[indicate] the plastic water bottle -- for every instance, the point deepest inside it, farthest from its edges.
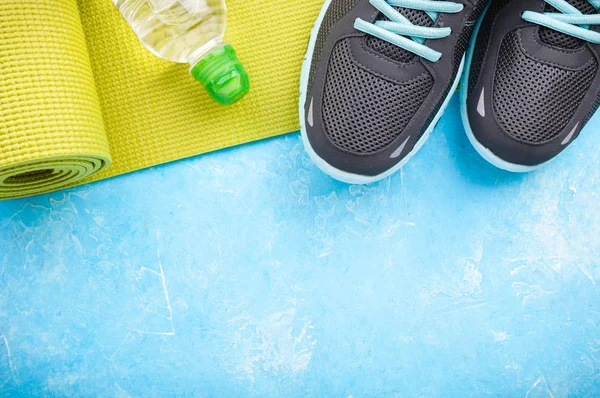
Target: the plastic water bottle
(191, 31)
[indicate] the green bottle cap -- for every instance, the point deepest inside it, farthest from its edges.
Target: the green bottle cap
(223, 75)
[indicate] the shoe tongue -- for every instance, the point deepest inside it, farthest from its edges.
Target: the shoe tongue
(562, 40)
(392, 51)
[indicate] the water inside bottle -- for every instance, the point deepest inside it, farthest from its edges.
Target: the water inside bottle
(176, 30)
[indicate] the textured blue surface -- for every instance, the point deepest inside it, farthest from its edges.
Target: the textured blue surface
(249, 273)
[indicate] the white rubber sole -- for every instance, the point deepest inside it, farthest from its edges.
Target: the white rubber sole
(484, 152)
(334, 172)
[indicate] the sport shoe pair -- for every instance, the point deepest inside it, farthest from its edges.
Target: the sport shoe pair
(379, 74)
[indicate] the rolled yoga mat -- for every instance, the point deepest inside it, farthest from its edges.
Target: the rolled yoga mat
(81, 99)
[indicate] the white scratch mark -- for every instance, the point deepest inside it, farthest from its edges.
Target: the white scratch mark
(451, 309)
(145, 269)
(324, 254)
(517, 270)
(391, 230)
(164, 285)
(147, 309)
(540, 380)
(161, 275)
(585, 269)
(10, 363)
(122, 391)
(154, 333)
(120, 345)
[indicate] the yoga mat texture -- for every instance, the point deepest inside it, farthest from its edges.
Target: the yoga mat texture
(81, 99)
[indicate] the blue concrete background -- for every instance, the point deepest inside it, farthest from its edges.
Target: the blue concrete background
(250, 273)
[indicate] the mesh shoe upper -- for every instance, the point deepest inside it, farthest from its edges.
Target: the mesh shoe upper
(362, 112)
(531, 88)
(533, 100)
(364, 109)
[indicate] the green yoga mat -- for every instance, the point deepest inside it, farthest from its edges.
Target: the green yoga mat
(81, 99)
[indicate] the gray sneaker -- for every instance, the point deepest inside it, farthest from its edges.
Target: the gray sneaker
(376, 79)
(532, 80)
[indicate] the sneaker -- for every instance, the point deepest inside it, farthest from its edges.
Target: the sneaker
(377, 77)
(531, 80)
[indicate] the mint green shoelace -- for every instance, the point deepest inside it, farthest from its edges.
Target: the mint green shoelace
(569, 20)
(403, 33)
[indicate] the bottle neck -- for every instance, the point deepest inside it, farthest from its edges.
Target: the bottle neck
(197, 55)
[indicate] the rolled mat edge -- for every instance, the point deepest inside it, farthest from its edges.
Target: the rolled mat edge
(52, 133)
